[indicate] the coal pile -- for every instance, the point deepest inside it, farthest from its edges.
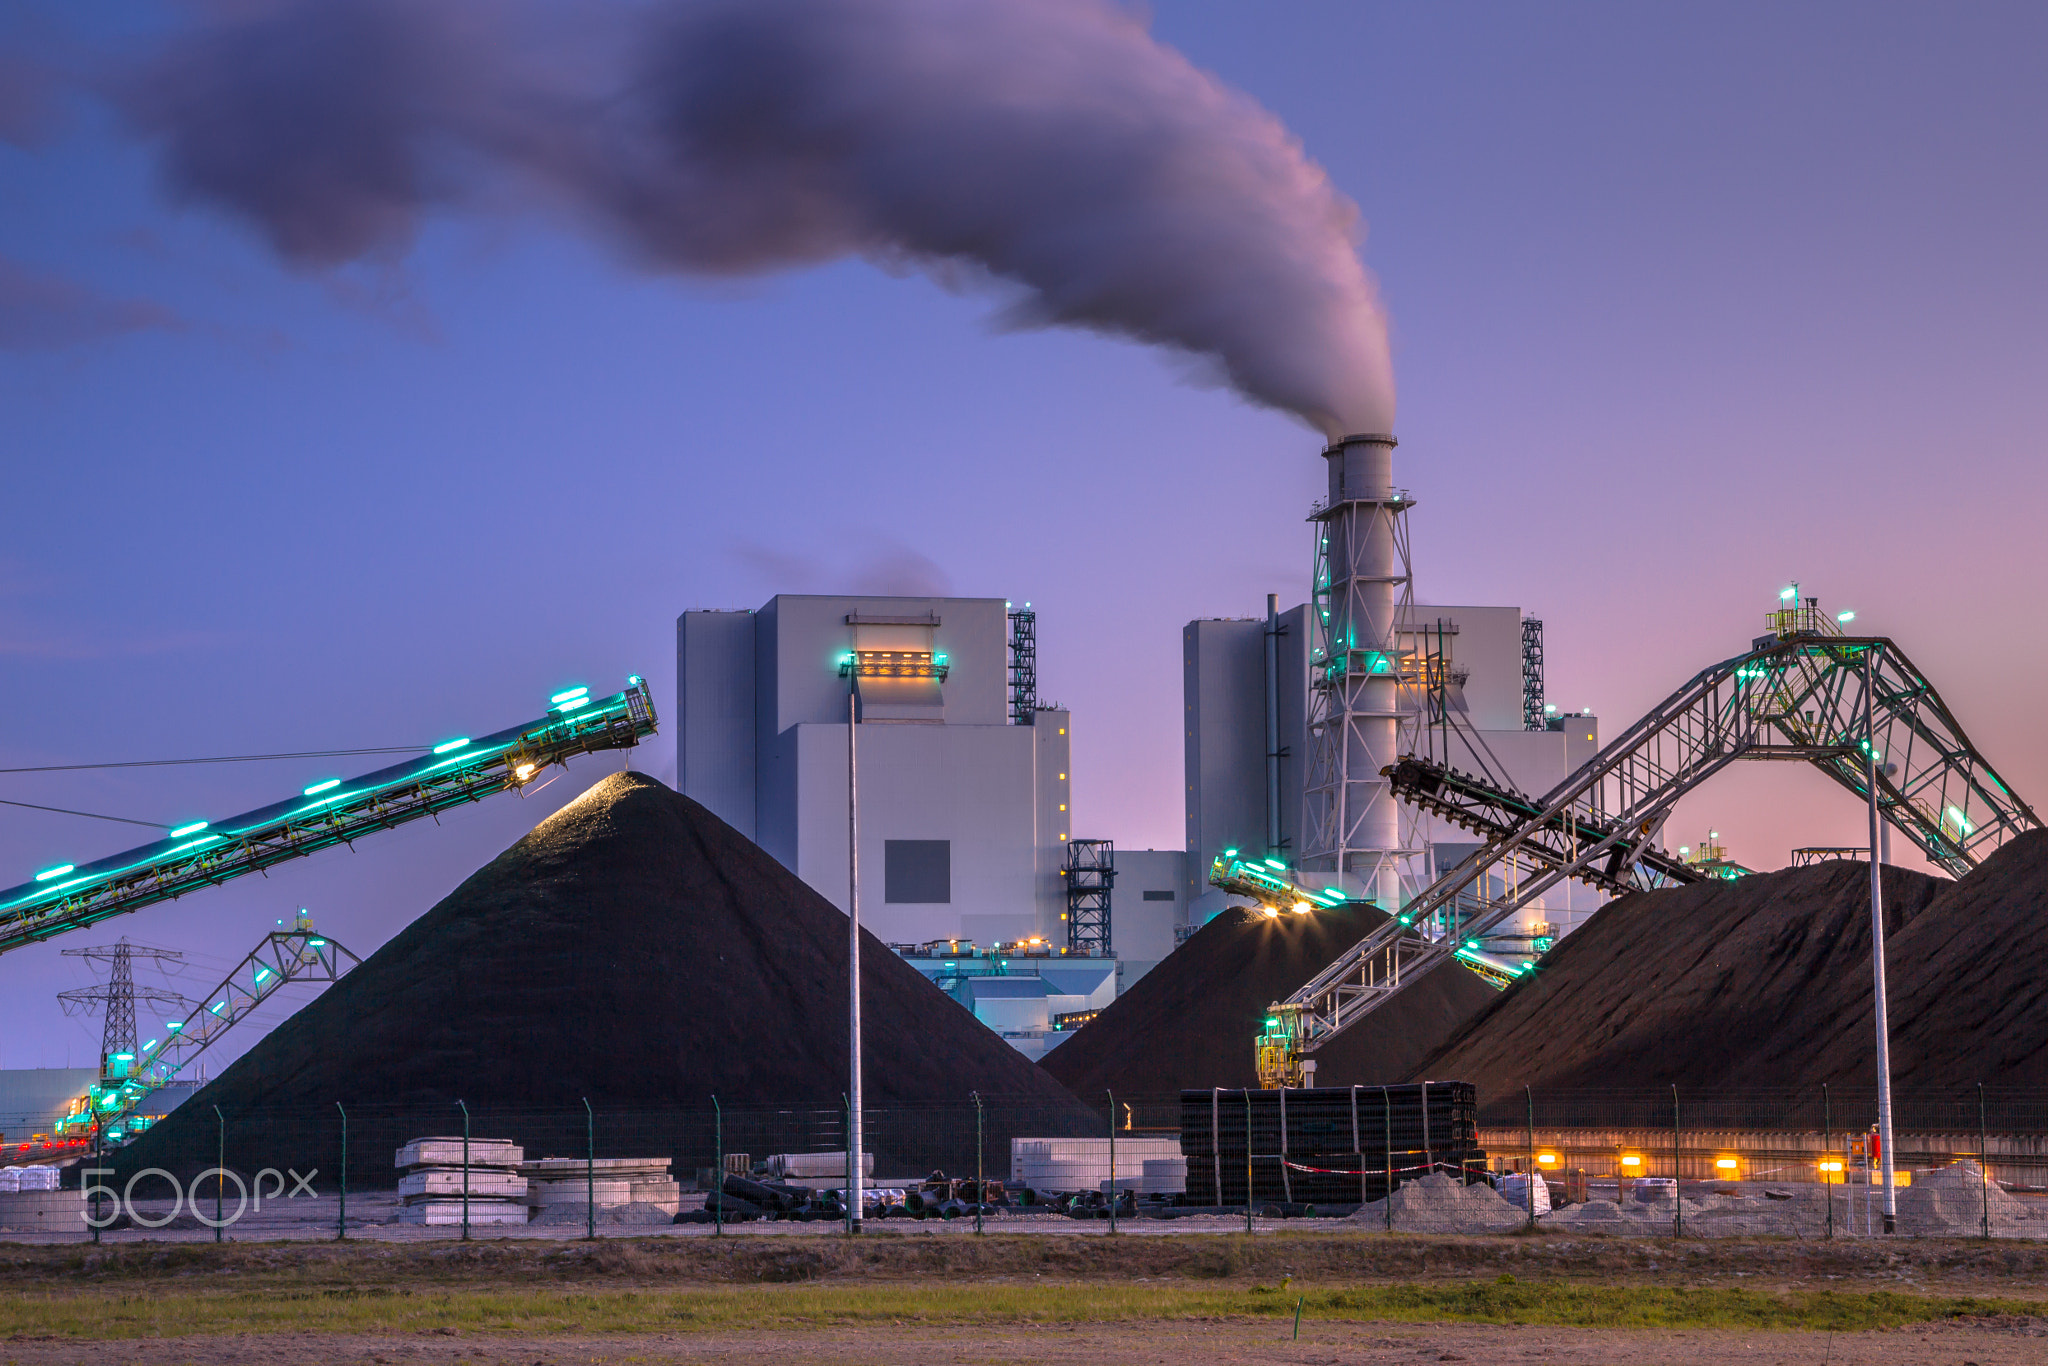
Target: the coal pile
(635, 951)
(1765, 983)
(1324, 1145)
(1190, 1022)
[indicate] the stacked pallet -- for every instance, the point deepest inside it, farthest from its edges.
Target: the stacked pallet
(437, 1177)
(605, 1182)
(1324, 1145)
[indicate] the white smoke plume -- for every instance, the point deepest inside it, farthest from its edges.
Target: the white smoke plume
(1051, 145)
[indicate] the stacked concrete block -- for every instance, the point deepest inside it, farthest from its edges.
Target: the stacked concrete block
(605, 1182)
(436, 1178)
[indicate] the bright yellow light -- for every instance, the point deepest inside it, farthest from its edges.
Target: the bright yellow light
(1631, 1160)
(1271, 914)
(1302, 908)
(1725, 1164)
(1546, 1159)
(1832, 1165)
(523, 772)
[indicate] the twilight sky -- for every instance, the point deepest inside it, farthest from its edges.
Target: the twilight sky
(1685, 306)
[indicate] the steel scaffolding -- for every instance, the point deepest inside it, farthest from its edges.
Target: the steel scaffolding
(1091, 876)
(1023, 665)
(1532, 674)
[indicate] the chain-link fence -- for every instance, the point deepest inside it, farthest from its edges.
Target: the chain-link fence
(1643, 1160)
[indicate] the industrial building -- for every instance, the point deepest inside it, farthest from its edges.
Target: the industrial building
(1246, 704)
(966, 831)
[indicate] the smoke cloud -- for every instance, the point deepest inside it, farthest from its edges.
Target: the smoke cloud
(1052, 146)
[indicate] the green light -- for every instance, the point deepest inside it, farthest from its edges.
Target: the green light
(1962, 821)
(447, 745)
(317, 788)
(1335, 891)
(317, 943)
(633, 680)
(1845, 617)
(1230, 853)
(1471, 943)
(559, 698)
(1787, 594)
(1402, 918)
(58, 871)
(174, 1025)
(573, 703)
(1276, 863)
(191, 829)
(124, 1057)
(151, 1044)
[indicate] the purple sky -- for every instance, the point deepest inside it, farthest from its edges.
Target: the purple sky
(1684, 307)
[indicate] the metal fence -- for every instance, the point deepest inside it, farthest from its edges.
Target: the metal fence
(331, 1170)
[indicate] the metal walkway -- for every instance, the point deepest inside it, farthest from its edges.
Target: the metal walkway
(203, 854)
(1798, 694)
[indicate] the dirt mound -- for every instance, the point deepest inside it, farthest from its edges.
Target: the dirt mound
(635, 950)
(1189, 1023)
(1764, 983)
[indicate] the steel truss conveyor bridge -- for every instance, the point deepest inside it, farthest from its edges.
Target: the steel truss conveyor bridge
(337, 811)
(1801, 693)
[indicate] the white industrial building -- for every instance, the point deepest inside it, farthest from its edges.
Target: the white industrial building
(964, 790)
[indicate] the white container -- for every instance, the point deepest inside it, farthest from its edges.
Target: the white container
(1515, 1189)
(1050, 1176)
(483, 1181)
(448, 1152)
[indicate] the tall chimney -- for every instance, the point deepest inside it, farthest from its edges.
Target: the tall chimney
(1353, 822)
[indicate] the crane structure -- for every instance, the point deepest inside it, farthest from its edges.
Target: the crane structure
(130, 1075)
(334, 811)
(1801, 693)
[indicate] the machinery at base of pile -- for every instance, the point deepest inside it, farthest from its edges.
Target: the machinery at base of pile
(1269, 884)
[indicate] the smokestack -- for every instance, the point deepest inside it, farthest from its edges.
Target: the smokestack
(1356, 728)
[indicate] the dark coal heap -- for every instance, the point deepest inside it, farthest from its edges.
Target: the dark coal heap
(1765, 982)
(636, 951)
(1190, 1022)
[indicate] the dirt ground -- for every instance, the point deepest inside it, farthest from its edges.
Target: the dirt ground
(2009, 1342)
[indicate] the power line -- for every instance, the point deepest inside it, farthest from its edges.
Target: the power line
(90, 815)
(219, 759)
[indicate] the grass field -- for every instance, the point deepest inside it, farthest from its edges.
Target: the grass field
(1126, 1292)
(163, 1311)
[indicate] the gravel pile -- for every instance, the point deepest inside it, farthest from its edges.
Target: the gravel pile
(1440, 1204)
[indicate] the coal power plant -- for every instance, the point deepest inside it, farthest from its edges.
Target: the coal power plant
(825, 934)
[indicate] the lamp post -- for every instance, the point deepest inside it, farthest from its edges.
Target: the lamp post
(1884, 1045)
(854, 1142)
